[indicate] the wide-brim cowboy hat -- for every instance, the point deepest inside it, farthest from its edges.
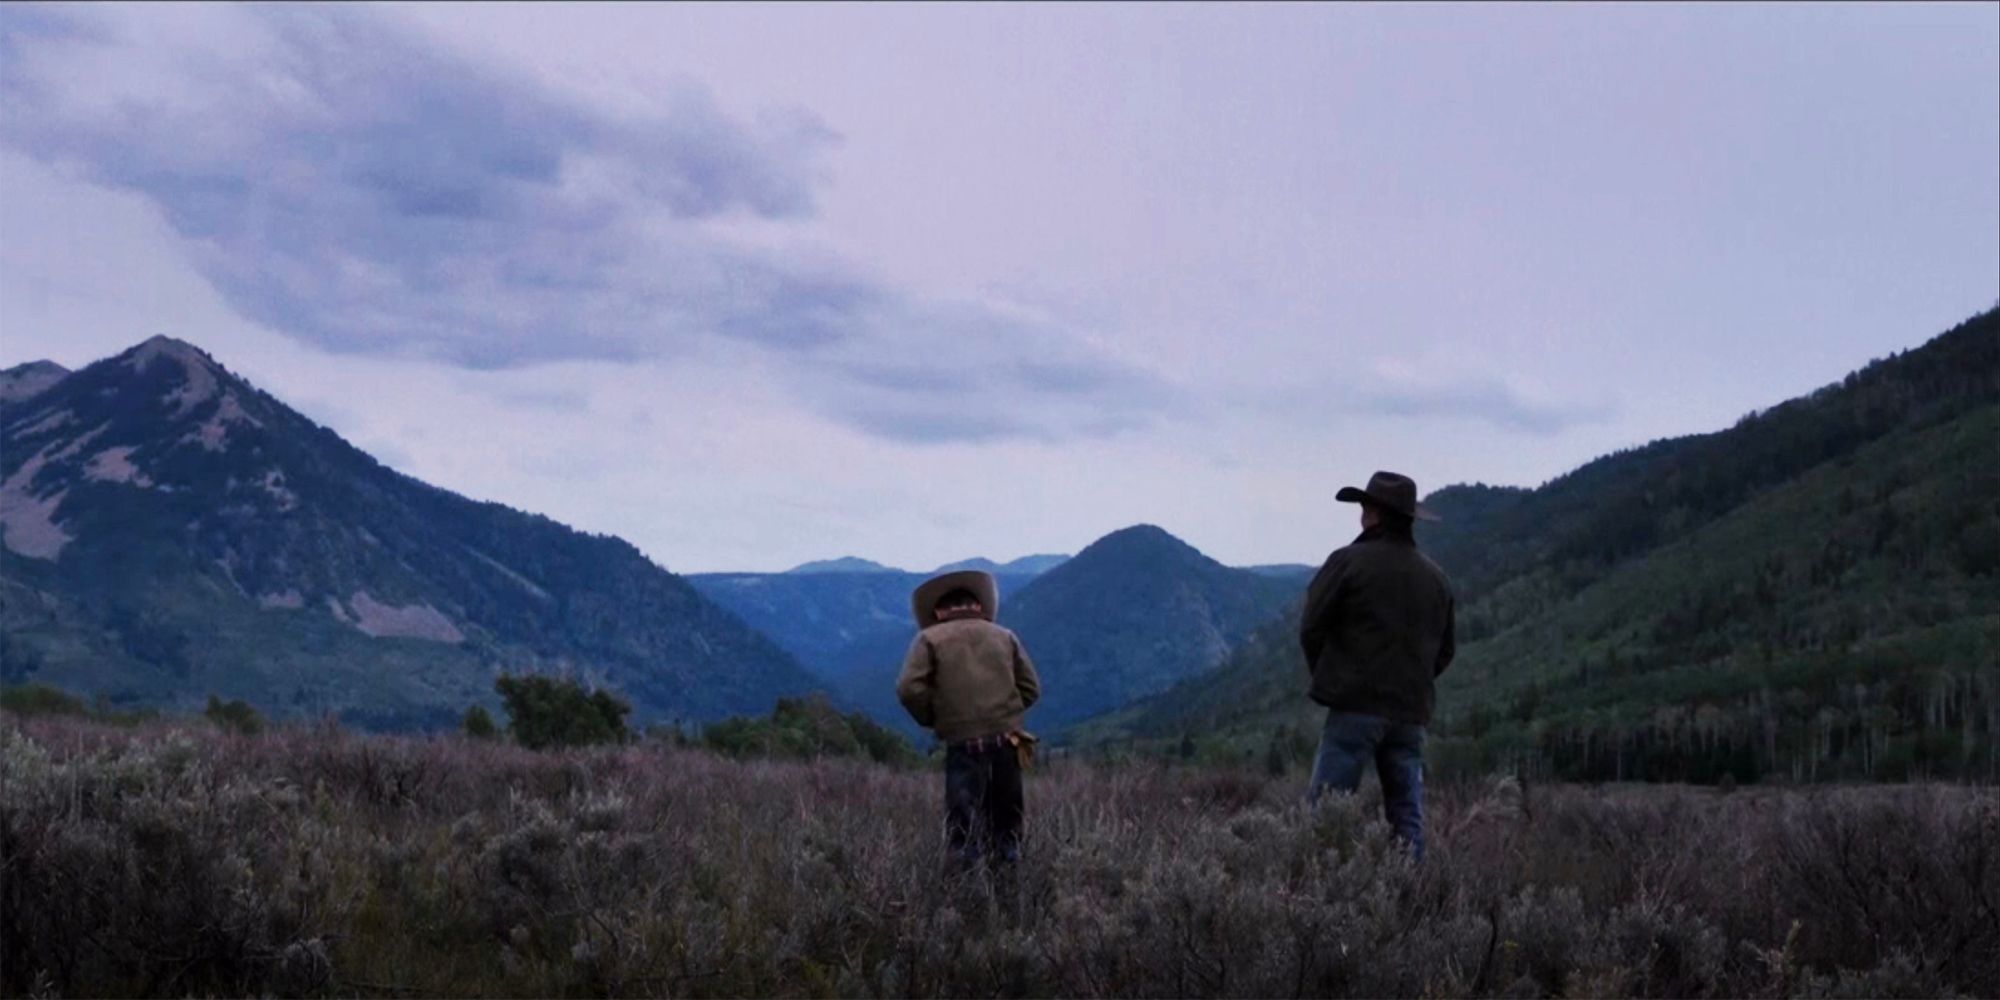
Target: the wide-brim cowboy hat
(981, 584)
(1390, 491)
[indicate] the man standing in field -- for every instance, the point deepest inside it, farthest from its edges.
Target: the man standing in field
(970, 682)
(1377, 631)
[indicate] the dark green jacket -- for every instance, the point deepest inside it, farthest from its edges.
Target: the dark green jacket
(1377, 628)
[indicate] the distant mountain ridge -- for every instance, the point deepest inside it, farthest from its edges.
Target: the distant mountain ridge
(1285, 571)
(1026, 566)
(844, 564)
(25, 380)
(171, 531)
(1134, 611)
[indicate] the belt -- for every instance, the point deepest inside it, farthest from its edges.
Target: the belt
(982, 744)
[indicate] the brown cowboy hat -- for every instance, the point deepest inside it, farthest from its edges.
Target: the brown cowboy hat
(1390, 491)
(982, 585)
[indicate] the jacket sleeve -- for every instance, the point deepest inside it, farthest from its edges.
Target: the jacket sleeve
(916, 685)
(1026, 680)
(1321, 597)
(1449, 647)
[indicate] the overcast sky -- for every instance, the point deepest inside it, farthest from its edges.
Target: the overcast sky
(755, 285)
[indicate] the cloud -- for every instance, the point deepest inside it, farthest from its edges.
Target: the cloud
(1434, 389)
(1487, 400)
(345, 181)
(1459, 387)
(937, 374)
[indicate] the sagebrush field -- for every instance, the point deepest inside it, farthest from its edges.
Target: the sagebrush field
(163, 860)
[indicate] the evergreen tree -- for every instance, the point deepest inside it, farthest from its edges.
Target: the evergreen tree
(546, 712)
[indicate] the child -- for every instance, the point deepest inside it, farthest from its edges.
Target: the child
(969, 681)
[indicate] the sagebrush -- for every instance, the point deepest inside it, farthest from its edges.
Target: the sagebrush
(154, 860)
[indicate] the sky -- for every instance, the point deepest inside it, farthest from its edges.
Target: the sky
(754, 285)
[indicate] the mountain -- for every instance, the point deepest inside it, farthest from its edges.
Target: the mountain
(1811, 593)
(171, 531)
(1130, 615)
(22, 381)
(1025, 567)
(1299, 572)
(844, 564)
(849, 629)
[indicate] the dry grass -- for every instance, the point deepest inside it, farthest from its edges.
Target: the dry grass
(165, 861)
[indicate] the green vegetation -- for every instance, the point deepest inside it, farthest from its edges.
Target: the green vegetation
(804, 728)
(478, 724)
(234, 716)
(41, 699)
(546, 712)
(37, 700)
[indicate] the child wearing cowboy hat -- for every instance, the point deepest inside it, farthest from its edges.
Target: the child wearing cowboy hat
(969, 681)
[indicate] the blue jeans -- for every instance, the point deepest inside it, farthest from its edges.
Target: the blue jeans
(982, 804)
(1346, 745)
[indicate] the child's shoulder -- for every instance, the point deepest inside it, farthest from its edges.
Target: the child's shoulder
(969, 627)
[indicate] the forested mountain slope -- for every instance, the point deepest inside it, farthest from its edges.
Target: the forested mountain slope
(1814, 592)
(1132, 614)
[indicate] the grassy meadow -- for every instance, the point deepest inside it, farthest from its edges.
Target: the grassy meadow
(172, 858)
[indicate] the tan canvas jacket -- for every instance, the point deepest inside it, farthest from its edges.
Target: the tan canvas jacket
(967, 678)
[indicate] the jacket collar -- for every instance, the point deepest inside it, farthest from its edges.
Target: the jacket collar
(1387, 533)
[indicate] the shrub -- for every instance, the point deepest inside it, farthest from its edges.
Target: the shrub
(41, 699)
(154, 861)
(803, 728)
(545, 712)
(478, 724)
(235, 716)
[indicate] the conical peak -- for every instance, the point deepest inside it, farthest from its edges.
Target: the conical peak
(201, 377)
(161, 345)
(1142, 542)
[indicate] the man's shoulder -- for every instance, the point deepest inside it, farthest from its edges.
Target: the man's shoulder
(1366, 549)
(1341, 555)
(1385, 551)
(1437, 573)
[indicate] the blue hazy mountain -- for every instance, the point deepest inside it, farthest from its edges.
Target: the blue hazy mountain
(844, 564)
(1026, 567)
(1131, 614)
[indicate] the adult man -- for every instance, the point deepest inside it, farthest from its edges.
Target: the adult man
(1377, 630)
(969, 681)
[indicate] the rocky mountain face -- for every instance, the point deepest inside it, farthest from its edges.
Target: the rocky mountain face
(21, 381)
(170, 532)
